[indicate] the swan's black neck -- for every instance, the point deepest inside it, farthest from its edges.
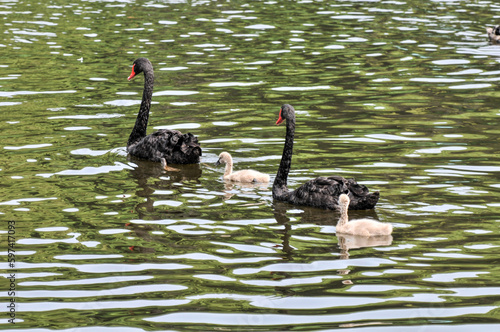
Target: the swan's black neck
(141, 123)
(279, 186)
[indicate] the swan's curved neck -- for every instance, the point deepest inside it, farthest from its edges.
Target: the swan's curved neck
(229, 167)
(344, 218)
(141, 123)
(280, 182)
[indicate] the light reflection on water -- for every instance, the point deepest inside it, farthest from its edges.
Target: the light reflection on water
(399, 95)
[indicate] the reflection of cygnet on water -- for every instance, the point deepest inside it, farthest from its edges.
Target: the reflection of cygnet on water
(231, 189)
(349, 241)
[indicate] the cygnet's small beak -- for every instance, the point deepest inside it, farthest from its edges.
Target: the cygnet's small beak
(217, 163)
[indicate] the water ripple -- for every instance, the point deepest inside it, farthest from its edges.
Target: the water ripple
(238, 319)
(140, 289)
(402, 99)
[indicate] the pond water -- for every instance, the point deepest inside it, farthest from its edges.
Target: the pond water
(401, 95)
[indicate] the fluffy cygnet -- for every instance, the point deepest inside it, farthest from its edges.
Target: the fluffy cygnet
(247, 175)
(363, 227)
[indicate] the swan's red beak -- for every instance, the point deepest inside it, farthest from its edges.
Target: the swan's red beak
(132, 74)
(280, 119)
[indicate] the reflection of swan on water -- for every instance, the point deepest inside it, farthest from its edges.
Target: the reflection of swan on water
(363, 227)
(150, 178)
(322, 192)
(146, 170)
(166, 146)
(279, 211)
(247, 175)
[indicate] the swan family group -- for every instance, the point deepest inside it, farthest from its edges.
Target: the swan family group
(333, 192)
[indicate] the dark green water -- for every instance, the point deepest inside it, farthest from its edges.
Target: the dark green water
(400, 95)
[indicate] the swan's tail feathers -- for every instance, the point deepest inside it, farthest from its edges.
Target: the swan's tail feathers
(360, 196)
(190, 145)
(178, 148)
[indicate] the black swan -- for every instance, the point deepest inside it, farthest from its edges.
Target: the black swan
(322, 192)
(494, 33)
(164, 145)
(362, 227)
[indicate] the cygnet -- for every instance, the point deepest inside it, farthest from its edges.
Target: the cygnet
(363, 227)
(247, 175)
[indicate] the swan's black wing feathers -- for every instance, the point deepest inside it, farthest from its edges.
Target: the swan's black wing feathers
(175, 147)
(321, 192)
(324, 192)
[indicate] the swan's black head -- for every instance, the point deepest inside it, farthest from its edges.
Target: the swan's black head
(287, 112)
(140, 65)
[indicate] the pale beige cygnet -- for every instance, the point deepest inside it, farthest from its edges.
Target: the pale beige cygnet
(363, 227)
(247, 175)
(494, 33)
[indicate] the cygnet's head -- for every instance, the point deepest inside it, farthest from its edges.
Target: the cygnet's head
(224, 158)
(344, 200)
